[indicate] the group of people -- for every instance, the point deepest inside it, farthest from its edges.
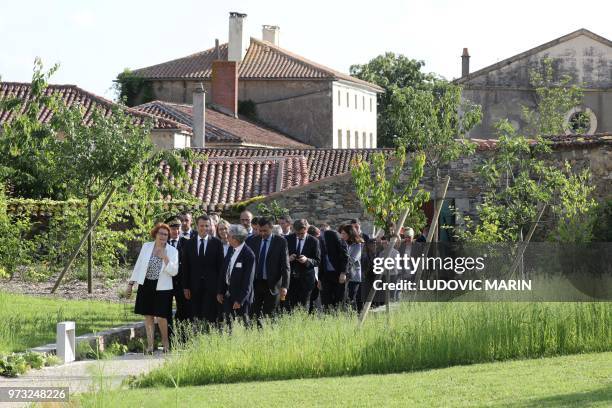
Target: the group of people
(251, 271)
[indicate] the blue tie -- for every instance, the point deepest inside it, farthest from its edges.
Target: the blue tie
(262, 260)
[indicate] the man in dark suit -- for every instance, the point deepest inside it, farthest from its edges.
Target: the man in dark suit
(183, 306)
(271, 271)
(201, 266)
(304, 256)
(186, 230)
(235, 285)
(334, 255)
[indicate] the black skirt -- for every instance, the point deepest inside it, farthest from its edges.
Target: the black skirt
(153, 302)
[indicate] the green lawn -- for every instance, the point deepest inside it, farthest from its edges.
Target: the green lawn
(30, 321)
(577, 380)
(417, 336)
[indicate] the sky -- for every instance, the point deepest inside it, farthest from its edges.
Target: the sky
(93, 41)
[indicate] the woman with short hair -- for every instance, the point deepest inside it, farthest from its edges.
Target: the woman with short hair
(156, 265)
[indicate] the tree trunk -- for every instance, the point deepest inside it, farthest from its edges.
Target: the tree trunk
(89, 247)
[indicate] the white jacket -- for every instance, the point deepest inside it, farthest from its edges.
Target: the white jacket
(168, 270)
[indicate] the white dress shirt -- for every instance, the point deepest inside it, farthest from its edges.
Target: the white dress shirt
(228, 273)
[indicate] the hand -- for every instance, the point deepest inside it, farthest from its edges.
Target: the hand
(292, 257)
(128, 292)
(236, 305)
(302, 259)
(187, 293)
(283, 293)
(342, 278)
(319, 284)
(220, 298)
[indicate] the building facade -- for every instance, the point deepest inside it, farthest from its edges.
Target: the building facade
(305, 100)
(503, 88)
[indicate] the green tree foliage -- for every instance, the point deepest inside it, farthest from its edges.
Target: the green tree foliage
(519, 181)
(434, 121)
(28, 146)
(392, 72)
(132, 89)
(273, 211)
(384, 195)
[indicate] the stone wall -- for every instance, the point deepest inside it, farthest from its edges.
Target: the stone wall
(333, 200)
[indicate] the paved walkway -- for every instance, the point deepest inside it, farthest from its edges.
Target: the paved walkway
(81, 376)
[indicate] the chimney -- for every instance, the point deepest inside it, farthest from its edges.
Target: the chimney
(270, 34)
(465, 63)
(199, 117)
(225, 87)
(237, 37)
(217, 49)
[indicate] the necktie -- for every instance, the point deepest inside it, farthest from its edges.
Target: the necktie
(230, 252)
(201, 250)
(299, 246)
(262, 260)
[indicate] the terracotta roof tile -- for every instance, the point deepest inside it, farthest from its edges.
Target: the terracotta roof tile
(222, 128)
(221, 181)
(72, 95)
(262, 60)
(318, 164)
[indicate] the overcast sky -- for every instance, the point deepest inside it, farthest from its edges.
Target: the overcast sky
(95, 40)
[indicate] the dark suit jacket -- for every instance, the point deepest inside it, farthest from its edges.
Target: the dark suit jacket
(277, 261)
(310, 250)
(177, 281)
(241, 279)
(337, 251)
(202, 273)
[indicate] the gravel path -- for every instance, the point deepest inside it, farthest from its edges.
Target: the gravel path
(82, 376)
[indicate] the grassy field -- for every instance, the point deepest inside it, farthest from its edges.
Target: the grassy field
(30, 321)
(418, 336)
(577, 380)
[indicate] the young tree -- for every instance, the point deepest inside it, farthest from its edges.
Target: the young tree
(519, 181)
(28, 145)
(382, 193)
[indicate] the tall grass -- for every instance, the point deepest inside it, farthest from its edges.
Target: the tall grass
(30, 321)
(416, 336)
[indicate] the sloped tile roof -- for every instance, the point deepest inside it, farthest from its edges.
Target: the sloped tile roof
(72, 95)
(222, 128)
(321, 163)
(221, 181)
(262, 60)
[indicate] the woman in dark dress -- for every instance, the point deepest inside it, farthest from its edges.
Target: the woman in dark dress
(156, 265)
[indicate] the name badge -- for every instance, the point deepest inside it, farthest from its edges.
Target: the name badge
(239, 265)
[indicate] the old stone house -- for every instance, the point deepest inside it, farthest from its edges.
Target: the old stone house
(305, 100)
(502, 88)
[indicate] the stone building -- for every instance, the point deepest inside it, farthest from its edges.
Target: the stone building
(305, 100)
(502, 88)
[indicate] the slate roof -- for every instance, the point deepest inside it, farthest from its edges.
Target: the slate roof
(262, 61)
(72, 95)
(222, 128)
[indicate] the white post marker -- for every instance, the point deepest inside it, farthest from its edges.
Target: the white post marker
(66, 341)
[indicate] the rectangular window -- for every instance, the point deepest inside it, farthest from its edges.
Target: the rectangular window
(355, 101)
(364, 145)
(339, 98)
(348, 139)
(372, 141)
(370, 104)
(363, 103)
(347, 100)
(357, 139)
(339, 144)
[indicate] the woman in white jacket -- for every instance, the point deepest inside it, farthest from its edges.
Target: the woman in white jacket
(156, 265)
